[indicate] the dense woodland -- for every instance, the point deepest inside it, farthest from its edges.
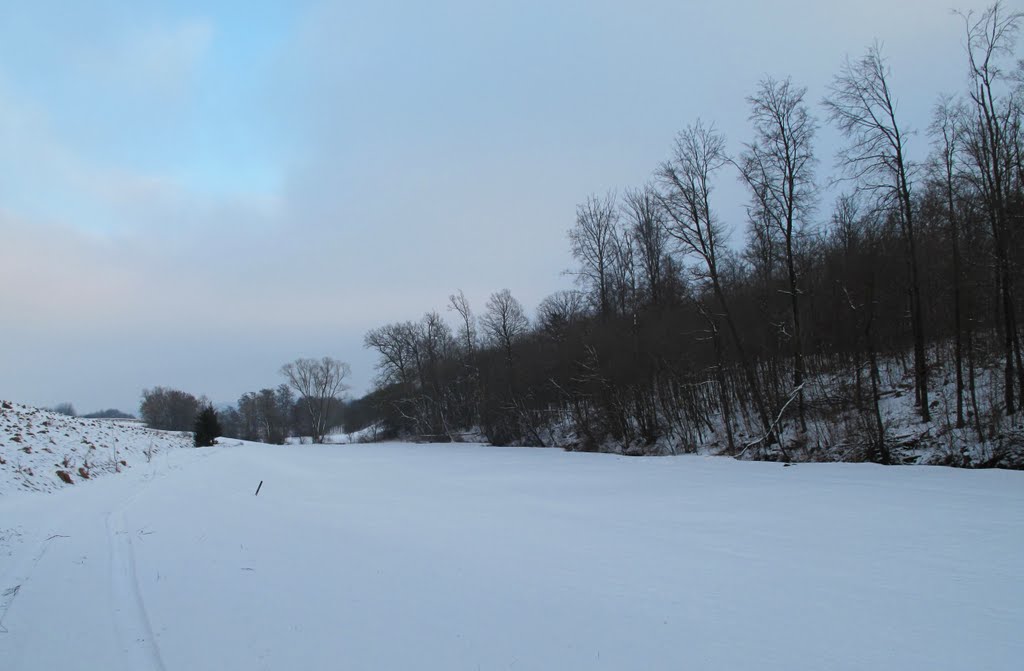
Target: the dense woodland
(798, 344)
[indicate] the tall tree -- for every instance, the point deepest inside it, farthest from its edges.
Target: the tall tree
(504, 322)
(861, 105)
(647, 229)
(778, 168)
(396, 345)
(990, 38)
(699, 154)
(468, 338)
(946, 129)
(559, 312)
(467, 326)
(319, 384)
(593, 241)
(207, 427)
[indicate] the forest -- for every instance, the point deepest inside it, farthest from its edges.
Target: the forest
(881, 326)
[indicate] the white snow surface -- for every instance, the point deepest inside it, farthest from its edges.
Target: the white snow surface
(35, 444)
(401, 556)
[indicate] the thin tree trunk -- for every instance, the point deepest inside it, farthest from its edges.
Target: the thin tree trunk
(1009, 332)
(881, 447)
(917, 325)
(970, 382)
(723, 392)
(957, 322)
(798, 350)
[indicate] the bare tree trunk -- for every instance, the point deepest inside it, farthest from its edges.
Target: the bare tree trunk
(1008, 326)
(700, 152)
(883, 449)
(954, 228)
(777, 167)
(862, 106)
(723, 392)
(798, 349)
(970, 382)
(916, 321)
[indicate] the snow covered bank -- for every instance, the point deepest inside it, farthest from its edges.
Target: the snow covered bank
(466, 557)
(37, 446)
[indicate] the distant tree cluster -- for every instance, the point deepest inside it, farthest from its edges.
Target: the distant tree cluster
(168, 409)
(64, 409)
(110, 413)
(675, 339)
(309, 404)
(265, 416)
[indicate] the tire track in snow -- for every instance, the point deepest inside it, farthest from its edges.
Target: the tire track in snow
(131, 619)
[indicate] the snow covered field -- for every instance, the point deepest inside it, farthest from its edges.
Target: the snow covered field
(467, 557)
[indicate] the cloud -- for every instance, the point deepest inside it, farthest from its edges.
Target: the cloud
(157, 60)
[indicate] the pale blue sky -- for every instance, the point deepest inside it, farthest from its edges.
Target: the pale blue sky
(193, 193)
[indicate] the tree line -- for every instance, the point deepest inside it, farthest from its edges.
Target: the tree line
(308, 404)
(792, 344)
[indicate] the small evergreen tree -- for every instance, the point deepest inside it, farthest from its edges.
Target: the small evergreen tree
(207, 427)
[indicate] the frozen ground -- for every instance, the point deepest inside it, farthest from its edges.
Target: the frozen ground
(466, 557)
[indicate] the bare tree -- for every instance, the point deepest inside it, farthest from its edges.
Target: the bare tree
(699, 154)
(435, 345)
(504, 321)
(467, 327)
(559, 312)
(413, 362)
(946, 130)
(475, 392)
(397, 347)
(778, 168)
(593, 243)
(861, 105)
(990, 38)
(647, 228)
(319, 384)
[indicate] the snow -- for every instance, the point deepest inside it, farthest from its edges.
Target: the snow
(35, 444)
(457, 556)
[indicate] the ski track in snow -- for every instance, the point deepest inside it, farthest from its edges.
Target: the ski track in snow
(130, 617)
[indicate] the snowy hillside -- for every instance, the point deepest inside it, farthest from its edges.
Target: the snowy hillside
(452, 557)
(37, 446)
